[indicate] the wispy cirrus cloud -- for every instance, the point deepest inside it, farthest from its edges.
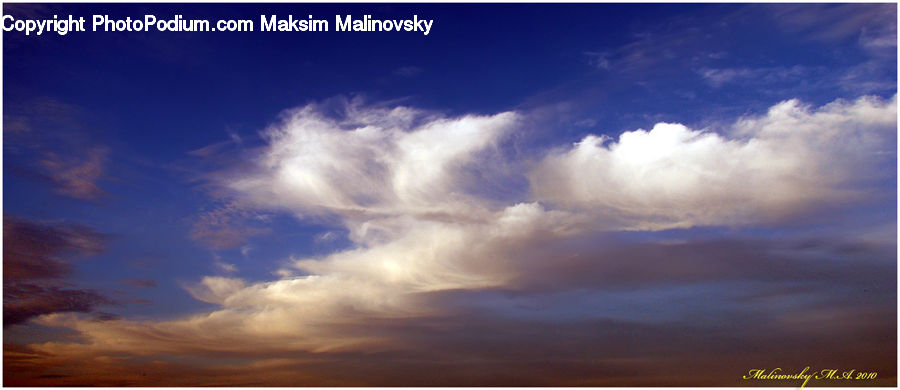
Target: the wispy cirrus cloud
(77, 178)
(47, 141)
(872, 24)
(226, 226)
(39, 114)
(717, 77)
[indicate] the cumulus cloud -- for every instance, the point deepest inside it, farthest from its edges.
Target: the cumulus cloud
(370, 161)
(406, 186)
(760, 169)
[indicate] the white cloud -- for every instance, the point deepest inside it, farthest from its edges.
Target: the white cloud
(763, 168)
(226, 267)
(344, 290)
(370, 161)
(326, 237)
(719, 77)
(398, 181)
(245, 250)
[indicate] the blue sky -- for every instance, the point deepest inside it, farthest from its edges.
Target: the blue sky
(595, 168)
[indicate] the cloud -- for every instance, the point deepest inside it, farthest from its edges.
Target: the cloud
(33, 250)
(48, 141)
(719, 77)
(77, 178)
(443, 274)
(226, 226)
(616, 265)
(35, 261)
(834, 22)
(600, 60)
(774, 307)
(769, 303)
(761, 169)
(245, 250)
(384, 281)
(326, 237)
(586, 123)
(39, 114)
(370, 161)
(24, 301)
(225, 267)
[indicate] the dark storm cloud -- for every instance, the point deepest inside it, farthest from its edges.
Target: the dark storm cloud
(36, 262)
(32, 250)
(23, 301)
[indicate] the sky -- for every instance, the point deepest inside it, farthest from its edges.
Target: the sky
(529, 195)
